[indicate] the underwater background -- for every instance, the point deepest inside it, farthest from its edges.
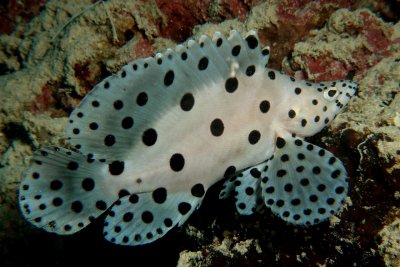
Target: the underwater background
(53, 52)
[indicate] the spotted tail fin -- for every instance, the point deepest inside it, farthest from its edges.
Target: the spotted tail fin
(63, 191)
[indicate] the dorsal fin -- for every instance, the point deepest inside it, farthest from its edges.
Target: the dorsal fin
(121, 109)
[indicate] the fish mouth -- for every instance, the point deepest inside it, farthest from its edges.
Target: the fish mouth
(355, 87)
(348, 89)
(351, 89)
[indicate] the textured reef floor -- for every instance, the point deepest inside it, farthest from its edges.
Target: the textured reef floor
(47, 65)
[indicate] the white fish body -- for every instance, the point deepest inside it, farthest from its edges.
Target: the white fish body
(155, 136)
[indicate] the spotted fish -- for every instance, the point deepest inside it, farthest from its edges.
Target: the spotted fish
(152, 138)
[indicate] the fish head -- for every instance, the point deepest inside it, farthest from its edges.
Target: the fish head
(338, 94)
(316, 105)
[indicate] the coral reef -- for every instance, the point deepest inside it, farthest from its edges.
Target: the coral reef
(48, 65)
(13, 12)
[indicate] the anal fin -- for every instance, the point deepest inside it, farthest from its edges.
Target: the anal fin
(139, 219)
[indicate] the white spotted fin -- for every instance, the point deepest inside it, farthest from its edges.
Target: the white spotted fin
(142, 218)
(246, 188)
(63, 191)
(301, 183)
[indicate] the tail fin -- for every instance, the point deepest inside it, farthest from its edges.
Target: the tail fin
(63, 191)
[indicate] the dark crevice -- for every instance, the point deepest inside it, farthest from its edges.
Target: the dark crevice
(15, 131)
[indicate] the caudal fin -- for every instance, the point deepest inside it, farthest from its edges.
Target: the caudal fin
(62, 191)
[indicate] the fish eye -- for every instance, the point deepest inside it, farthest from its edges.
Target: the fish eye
(331, 93)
